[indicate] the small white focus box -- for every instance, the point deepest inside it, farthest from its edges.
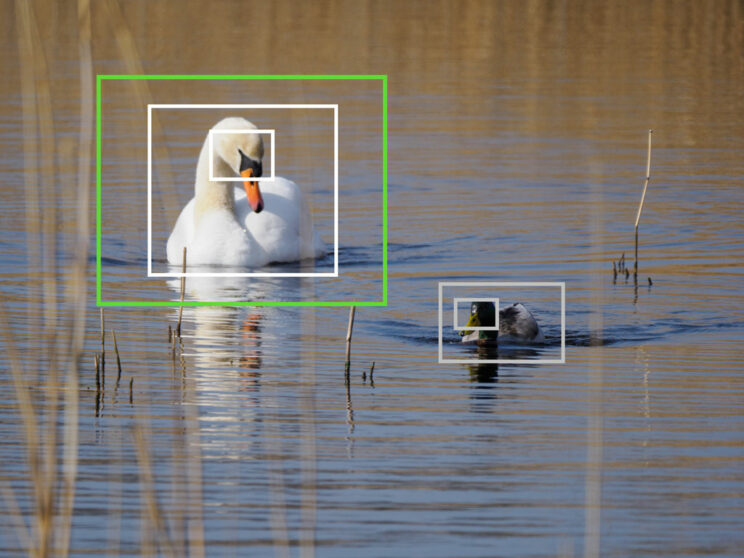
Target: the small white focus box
(494, 327)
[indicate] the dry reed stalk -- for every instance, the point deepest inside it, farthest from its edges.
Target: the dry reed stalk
(29, 126)
(98, 384)
(195, 523)
(47, 158)
(16, 515)
(349, 331)
(27, 411)
(41, 239)
(640, 206)
(48, 536)
(98, 372)
(147, 484)
(118, 360)
(349, 408)
(132, 61)
(103, 343)
(308, 451)
(78, 276)
(127, 48)
(277, 489)
(131, 386)
(182, 359)
(183, 292)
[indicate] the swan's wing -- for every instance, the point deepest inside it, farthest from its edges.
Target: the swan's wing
(284, 229)
(220, 240)
(182, 235)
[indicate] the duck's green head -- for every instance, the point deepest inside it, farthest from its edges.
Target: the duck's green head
(482, 314)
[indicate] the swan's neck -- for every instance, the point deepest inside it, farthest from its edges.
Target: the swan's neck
(212, 195)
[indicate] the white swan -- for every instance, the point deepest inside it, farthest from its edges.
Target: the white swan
(230, 226)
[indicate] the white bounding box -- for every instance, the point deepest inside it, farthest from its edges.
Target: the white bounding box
(499, 284)
(494, 327)
(333, 107)
(210, 140)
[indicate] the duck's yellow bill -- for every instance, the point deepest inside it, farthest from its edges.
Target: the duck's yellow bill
(473, 321)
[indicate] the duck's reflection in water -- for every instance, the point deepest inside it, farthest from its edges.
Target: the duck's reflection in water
(484, 372)
(488, 372)
(485, 375)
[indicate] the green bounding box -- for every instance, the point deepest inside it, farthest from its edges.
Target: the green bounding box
(176, 303)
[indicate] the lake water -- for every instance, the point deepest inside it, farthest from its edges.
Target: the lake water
(517, 150)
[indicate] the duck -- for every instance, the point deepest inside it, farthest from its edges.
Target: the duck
(248, 226)
(516, 325)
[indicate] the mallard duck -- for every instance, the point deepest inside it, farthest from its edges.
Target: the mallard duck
(516, 325)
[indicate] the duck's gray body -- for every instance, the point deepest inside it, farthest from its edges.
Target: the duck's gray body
(516, 325)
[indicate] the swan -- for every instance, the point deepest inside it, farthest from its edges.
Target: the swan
(516, 325)
(225, 225)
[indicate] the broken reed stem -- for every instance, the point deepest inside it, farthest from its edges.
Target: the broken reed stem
(183, 291)
(98, 384)
(131, 383)
(118, 360)
(640, 206)
(98, 372)
(103, 342)
(349, 331)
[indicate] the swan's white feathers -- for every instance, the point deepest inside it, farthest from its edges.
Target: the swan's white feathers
(218, 226)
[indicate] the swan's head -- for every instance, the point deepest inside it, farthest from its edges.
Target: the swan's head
(242, 152)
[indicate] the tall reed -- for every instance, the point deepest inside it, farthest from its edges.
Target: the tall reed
(59, 336)
(640, 206)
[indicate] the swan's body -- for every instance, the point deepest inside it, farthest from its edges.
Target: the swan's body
(516, 325)
(226, 226)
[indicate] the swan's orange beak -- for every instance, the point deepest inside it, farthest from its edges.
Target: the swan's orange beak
(252, 191)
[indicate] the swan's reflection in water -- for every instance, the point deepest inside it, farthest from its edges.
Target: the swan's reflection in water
(247, 421)
(225, 348)
(223, 351)
(235, 289)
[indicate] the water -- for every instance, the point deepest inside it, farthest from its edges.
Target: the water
(517, 146)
